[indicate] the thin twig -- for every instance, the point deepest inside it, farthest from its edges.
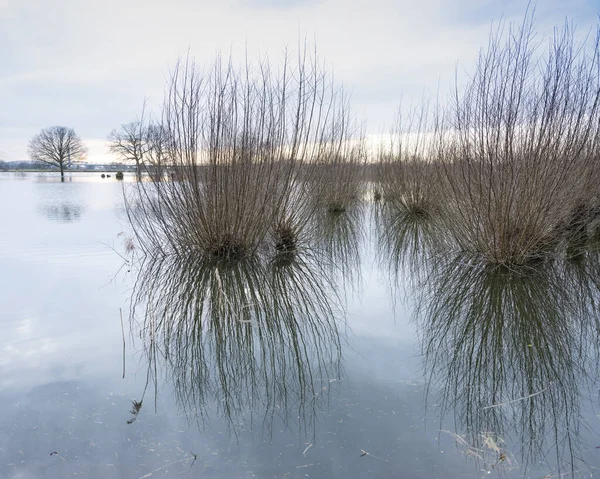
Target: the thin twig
(518, 399)
(162, 467)
(365, 453)
(123, 335)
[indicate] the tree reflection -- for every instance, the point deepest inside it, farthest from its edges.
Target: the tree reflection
(512, 351)
(63, 213)
(244, 337)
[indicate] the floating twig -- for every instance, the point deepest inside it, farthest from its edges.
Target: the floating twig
(365, 453)
(135, 410)
(160, 468)
(518, 399)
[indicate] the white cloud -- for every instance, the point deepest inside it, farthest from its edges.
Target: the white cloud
(90, 64)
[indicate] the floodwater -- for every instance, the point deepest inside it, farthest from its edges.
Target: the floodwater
(320, 369)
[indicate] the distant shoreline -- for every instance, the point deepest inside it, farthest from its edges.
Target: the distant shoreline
(38, 170)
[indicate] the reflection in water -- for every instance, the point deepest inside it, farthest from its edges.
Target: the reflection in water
(57, 201)
(338, 238)
(512, 352)
(406, 243)
(18, 175)
(53, 177)
(247, 337)
(63, 213)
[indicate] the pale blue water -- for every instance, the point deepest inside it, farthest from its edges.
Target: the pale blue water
(64, 405)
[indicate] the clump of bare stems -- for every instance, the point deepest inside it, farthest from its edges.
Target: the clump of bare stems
(520, 147)
(407, 169)
(508, 169)
(339, 184)
(243, 149)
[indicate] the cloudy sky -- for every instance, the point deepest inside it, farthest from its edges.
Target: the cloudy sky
(90, 64)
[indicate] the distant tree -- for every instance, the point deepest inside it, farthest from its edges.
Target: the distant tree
(129, 143)
(157, 145)
(57, 146)
(3, 165)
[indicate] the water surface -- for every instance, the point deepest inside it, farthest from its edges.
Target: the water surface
(321, 370)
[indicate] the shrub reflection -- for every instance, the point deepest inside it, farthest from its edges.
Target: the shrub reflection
(251, 338)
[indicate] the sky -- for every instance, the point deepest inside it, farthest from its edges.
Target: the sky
(90, 64)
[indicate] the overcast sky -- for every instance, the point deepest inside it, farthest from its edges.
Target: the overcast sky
(89, 64)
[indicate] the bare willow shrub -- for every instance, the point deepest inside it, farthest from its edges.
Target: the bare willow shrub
(407, 166)
(322, 145)
(337, 181)
(521, 145)
(237, 143)
(338, 184)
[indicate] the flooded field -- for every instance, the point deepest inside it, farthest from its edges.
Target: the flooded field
(368, 355)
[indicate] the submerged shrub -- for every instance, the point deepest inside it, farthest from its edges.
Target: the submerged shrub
(240, 147)
(285, 239)
(407, 171)
(339, 182)
(519, 147)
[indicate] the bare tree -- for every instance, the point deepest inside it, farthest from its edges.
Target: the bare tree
(129, 143)
(57, 146)
(157, 145)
